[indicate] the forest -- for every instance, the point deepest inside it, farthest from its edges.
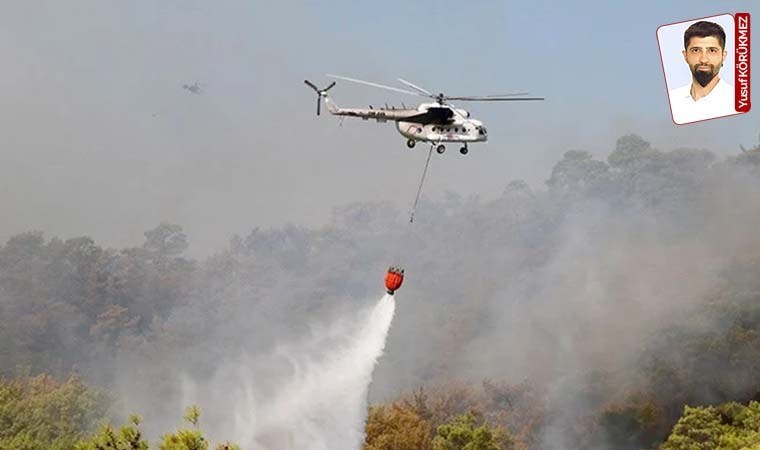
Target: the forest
(616, 307)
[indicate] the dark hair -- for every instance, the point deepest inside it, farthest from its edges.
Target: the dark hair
(704, 29)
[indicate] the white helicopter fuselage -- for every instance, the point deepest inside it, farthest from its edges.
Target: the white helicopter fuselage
(458, 128)
(463, 130)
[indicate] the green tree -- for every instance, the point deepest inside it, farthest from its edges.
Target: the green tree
(186, 439)
(629, 151)
(396, 427)
(462, 433)
(41, 413)
(128, 437)
(193, 415)
(577, 172)
(697, 429)
(227, 446)
(730, 426)
(747, 158)
(166, 240)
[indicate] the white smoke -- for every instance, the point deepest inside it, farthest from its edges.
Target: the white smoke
(311, 395)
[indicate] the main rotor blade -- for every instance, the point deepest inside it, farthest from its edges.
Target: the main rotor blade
(493, 99)
(414, 86)
(512, 94)
(381, 86)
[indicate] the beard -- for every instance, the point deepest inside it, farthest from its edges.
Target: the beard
(703, 77)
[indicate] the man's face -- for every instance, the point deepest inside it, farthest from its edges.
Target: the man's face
(704, 56)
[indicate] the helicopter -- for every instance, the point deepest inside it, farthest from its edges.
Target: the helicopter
(194, 88)
(435, 123)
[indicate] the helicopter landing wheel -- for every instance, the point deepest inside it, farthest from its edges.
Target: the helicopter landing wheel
(463, 150)
(411, 143)
(440, 149)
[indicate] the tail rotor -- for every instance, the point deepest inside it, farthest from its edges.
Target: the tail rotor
(320, 92)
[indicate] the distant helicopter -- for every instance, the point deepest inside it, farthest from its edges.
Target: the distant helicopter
(430, 122)
(195, 88)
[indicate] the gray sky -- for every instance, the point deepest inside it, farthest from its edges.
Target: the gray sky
(99, 138)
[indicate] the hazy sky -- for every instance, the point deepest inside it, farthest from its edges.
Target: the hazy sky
(99, 138)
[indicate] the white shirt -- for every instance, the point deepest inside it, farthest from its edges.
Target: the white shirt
(718, 103)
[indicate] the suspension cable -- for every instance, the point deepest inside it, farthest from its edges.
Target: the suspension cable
(419, 190)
